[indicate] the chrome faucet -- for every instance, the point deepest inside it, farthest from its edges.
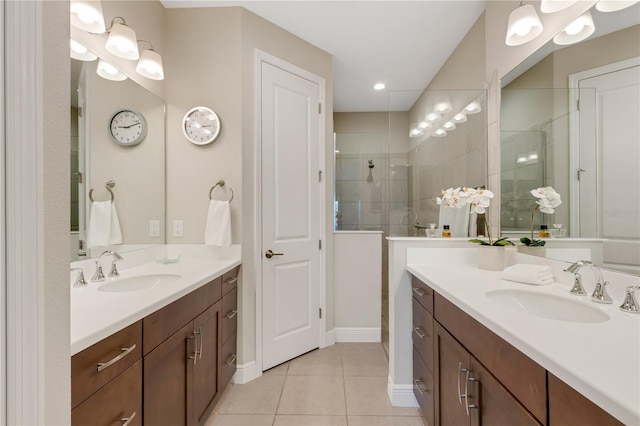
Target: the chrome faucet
(80, 281)
(99, 275)
(600, 293)
(630, 303)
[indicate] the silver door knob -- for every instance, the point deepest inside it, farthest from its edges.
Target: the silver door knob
(270, 254)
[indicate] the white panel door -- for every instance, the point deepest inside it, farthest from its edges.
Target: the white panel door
(290, 215)
(616, 184)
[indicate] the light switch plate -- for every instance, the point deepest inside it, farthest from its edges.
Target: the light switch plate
(178, 228)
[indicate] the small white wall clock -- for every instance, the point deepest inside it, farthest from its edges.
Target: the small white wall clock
(201, 125)
(127, 127)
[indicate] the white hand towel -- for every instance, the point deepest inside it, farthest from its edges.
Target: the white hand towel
(218, 228)
(529, 274)
(104, 225)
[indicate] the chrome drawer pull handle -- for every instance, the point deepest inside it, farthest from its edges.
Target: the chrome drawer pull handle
(128, 420)
(232, 360)
(232, 280)
(125, 352)
(201, 342)
(460, 370)
(417, 331)
(232, 314)
(466, 392)
(422, 391)
(418, 291)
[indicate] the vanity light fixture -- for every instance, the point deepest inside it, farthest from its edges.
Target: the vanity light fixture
(423, 125)
(472, 108)
(614, 5)
(379, 86)
(459, 118)
(432, 117)
(150, 63)
(415, 132)
(108, 71)
(448, 126)
(576, 31)
(524, 25)
(79, 52)
(442, 104)
(551, 6)
(440, 133)
(87, 15)
(122, 40)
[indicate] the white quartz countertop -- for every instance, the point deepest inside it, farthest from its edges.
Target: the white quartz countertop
(600, 360)
(97, 314)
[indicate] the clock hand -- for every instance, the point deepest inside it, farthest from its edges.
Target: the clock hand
(131, 125)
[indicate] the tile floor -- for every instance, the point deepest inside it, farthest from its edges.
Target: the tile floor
(344, 384)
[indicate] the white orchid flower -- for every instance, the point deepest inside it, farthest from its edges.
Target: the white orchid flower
(451, 198)
(548, 200)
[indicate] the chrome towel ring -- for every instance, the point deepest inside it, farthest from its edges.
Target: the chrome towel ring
(220, 183)
(110, 184)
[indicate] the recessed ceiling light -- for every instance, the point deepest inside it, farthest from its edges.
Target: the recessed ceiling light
(379, 86)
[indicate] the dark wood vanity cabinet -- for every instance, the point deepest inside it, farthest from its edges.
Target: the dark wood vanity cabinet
(181, 359)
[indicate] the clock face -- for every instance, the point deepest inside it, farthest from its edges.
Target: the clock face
(127, 127)
(201, 125)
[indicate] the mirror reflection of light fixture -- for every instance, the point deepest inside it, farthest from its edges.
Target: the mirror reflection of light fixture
(433, 117)
(459, 118)
(440, 133)
(424, 125)
(614, 5)
(108, 71)
(150, 63)
(122, 40)
(524, 25)
(442, 104)
(576, 31)
(551, 6)
(87, 15)
(415, 132)
(472, 108)
(79, 52)
(448, 126)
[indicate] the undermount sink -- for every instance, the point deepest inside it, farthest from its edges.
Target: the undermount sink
(546, 306)
(141, 282)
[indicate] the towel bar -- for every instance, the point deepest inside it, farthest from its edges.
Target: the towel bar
(220, 183)
(110, 184)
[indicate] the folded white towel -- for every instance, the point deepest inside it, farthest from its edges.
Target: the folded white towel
(218, 228)
(104, 225)
(529, 274)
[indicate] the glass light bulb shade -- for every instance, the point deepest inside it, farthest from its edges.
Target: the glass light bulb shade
(551, 6)
(150, 65)
(87, 15)
(379, 86)
(424, 125)
(473, 108)
(449, 126)
(108, 71)
(433, 117)
(122, 42)
(414, 133)
(459, 118)
(614, 5)
(440, 133)
(79, 52)
(576, 31)
(524, 25)
(442, 104)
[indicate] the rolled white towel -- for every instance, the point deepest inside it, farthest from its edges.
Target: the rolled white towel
(529, 274)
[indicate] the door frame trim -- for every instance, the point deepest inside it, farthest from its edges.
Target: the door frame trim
(259, 57)
(574, 132)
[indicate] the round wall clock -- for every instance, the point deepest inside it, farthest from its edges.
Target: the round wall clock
(201, 125)
(127, 127)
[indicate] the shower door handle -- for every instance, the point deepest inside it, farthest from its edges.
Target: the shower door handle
(270, 254)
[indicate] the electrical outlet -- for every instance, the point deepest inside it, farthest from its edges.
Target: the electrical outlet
(178, 228)
(154, 228)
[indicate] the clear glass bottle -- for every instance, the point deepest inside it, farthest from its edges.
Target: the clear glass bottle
(446, 233)
(543, 232)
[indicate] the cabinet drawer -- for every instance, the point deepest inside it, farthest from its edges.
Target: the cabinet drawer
(230, 280)
(422, 293)
(119, 400)
(97, 365)
(423, 333)
(163, 323)
(525, 379)
(228, 362)
(423, 387)
(229, 314)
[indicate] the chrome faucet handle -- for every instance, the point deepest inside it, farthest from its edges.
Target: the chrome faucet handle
(80, 281)
(600, 294)
(114, 269)
(577, 289)
(630, 303)
(99, 275)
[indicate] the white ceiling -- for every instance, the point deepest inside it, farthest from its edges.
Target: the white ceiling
(400, 43)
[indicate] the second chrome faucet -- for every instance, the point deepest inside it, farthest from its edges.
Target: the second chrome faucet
(599, 294)
(113, 272)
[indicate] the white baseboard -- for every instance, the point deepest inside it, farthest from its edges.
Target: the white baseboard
(330, 338)
(357, 334)
(401, 395)
(246, 373)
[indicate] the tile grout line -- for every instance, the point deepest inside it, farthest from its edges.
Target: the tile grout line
(344, 388)
(281, 392)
